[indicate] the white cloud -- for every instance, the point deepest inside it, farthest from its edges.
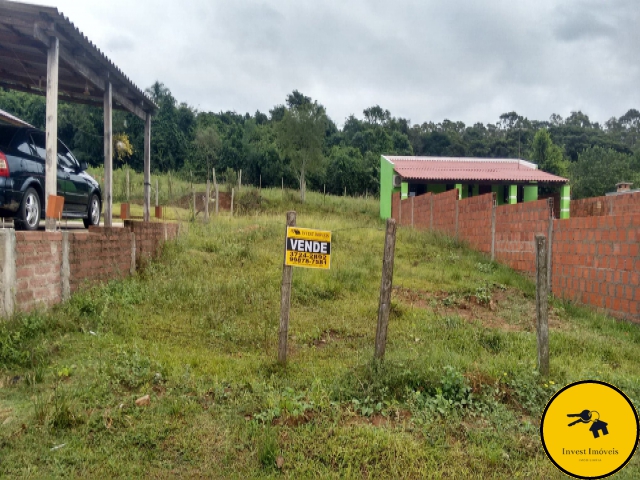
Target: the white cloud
(423, 60)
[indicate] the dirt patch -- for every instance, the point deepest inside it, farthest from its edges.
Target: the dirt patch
(495, 307)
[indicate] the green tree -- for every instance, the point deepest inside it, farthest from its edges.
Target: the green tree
(547, 155)
(599, 169)
(207, 143)
(300, 136)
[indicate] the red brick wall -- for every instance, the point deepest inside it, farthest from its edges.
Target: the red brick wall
(150, 237)
(596, 258)
(38, 260)
(516, 228)
(103, 254)
(444, 212)
(596, 261)
(628, 203)
(422, 210)
(474, 221)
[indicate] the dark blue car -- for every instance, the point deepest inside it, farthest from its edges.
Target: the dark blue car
(22, 180)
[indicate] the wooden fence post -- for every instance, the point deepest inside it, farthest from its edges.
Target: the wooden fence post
(193, 195)
(240, 181)
(233, 192)
(385, 289)
(128, 192)
(217, 199)
(542, 304)
(285, 297)
(157, 193)
(206, 200)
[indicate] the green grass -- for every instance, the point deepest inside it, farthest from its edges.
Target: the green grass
(457, 395)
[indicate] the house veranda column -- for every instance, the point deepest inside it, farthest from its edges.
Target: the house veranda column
(51, 165)
(147, 167)
(108, 155)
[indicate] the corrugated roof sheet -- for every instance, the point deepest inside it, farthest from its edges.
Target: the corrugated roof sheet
(8, 118)
(468, 169)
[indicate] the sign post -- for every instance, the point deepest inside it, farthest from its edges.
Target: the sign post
(384, 307)
(306, 248)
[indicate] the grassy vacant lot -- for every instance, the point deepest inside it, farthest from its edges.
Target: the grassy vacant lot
(457, 396)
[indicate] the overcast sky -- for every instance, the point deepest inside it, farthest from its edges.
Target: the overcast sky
(425, 60)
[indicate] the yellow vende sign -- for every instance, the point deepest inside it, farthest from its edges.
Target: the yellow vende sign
(308, 248)
(589, 429)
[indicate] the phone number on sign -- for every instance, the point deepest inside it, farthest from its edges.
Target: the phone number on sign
(307, 258)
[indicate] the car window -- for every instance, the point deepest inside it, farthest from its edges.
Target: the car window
(6, 135)
(25, 147)
(38, 140)
(65, 158)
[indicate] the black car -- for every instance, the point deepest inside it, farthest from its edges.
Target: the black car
(22, 180)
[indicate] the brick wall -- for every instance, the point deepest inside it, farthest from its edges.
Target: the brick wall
(102, 254)
(38, 260)
(516, 228)
(596, 261)
(444, 212)
(595, 257)
(628, 203)
(422, 210)
(150, 237)
(474, 221)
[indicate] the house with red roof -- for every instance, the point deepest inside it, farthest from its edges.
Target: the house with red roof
(512, 180)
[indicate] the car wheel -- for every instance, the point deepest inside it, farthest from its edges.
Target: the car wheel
(93, 215)
(29, 213)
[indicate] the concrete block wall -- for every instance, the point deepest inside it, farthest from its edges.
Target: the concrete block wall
(40, 269)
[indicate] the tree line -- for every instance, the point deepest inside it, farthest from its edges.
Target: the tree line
(298, 144)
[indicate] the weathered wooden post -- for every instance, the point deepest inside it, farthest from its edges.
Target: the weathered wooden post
(239, 180)
(285, 297)
(283, 187)
(385, 289)
(128, 192)
(542, 304)
(206, 200)
(157, 193)
(193, 196)
(233, 192)
(215, 187)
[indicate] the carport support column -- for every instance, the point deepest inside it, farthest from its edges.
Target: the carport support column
(147, 167)
(51, 167)
(108, 155)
